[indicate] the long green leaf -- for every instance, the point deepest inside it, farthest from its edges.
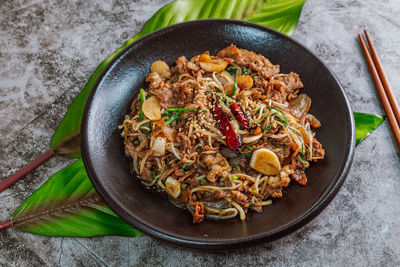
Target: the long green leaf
(68, 205)
(366, 124)
(281, 15)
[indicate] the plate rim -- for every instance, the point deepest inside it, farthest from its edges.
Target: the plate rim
(283, 230)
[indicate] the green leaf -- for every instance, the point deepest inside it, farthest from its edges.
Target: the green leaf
(281, 15)
(68, 205)
(366, 124)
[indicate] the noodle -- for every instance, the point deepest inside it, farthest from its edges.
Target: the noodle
(180, 145)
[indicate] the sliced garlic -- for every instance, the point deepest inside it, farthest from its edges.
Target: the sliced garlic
(161, 68)
(251, 139)
(265, 161)
(159, 147)
(173, 187)
(214, 65)
(152, 108)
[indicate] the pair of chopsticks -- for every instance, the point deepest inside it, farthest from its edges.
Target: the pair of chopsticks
(385, 91)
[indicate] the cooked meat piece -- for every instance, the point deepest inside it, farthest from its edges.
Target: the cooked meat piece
(292, 81)
(146, 176)
(284, 175)
(299, 176)
(179, 172)
(169, 95)
(161, 89)
(219, 167)
(129, 148)
(293, 84)
(180, 67)
(184, 197)
(240, 196)
(185, 143)
(220, 194)
(249, 59)
(318, 151)
(282, 147)
(183, 92)
(185, 176)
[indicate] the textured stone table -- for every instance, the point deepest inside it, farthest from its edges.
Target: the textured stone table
(48, 50)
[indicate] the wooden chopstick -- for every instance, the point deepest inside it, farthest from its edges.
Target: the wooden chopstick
(385, 82)
(394, 124)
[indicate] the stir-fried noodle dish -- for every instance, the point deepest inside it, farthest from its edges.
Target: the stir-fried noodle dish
(221, 135)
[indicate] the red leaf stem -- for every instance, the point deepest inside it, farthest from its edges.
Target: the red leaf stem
(5, 225)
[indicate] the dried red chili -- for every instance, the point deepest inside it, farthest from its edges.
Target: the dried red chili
(231, 138)
(240, 116)
(198, 215)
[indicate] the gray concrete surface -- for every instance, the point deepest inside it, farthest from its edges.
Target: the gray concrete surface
(48, 50)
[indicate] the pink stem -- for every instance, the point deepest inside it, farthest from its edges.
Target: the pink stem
(25, 170)
(5, 225)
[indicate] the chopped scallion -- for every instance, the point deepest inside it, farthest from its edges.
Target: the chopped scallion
(267, 128)
(247, 155)
(173, 117)
(281, 112)
(235, 177)
(232, 71)
(235, 86)
(185, 110)
(142, 99)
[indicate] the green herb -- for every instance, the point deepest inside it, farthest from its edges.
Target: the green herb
(302, 152)
(267, 128)
(283, 114)
(235, 177)
(199, 183)
(163, 181)
(247, 155)
(185, 172)
(184, 186)
(251, 205)
(142, 99)
(281, 121)
(232, 71)
(173, 117)
(185, 110)
(244, 71)
(187, 167)
(154, 174)
(235, 85)
(249, 148)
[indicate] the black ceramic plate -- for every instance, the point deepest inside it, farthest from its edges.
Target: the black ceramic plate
(118, 85)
